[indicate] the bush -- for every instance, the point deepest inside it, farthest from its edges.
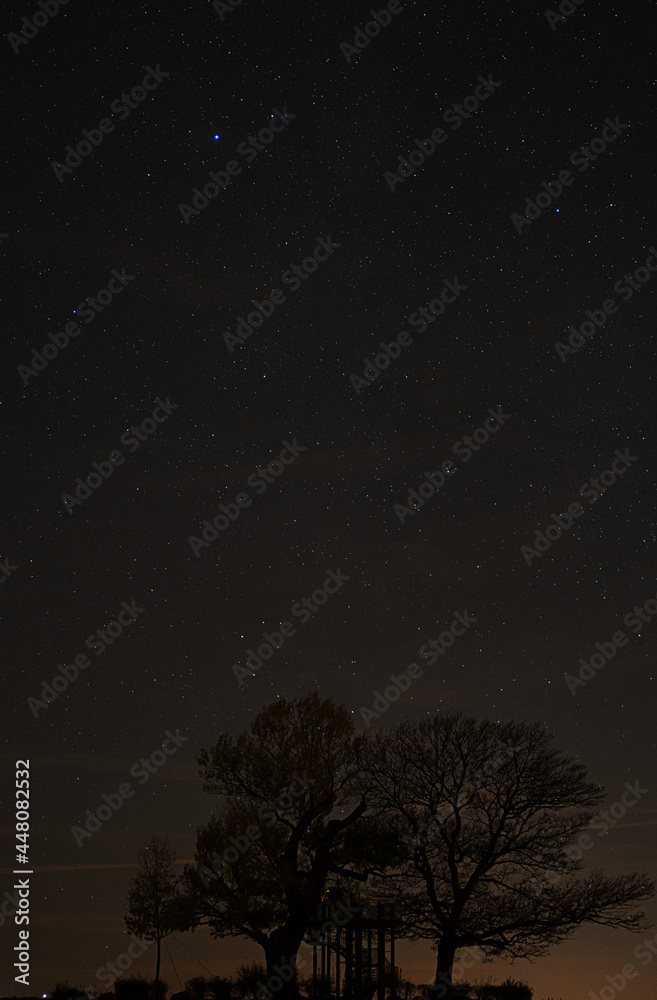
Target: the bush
(247, 977)
(64, 991)
(214, 986)
(457, 991)
(132, 988)
(196, 986)
(514, 989)
(510, 989)
(220, 988)
(137, 987)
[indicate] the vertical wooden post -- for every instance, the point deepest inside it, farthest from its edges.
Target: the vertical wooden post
(323, 947)
(381, 952)
(328, 963)
(359, 956)
(392, 944)
(349, 962)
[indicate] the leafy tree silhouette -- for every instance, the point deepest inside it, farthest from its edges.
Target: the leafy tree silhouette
(154, 900)
(294, 813)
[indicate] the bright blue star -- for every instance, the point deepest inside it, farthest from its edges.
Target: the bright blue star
(217, 137)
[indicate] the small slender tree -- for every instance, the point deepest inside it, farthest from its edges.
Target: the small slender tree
(154, 898)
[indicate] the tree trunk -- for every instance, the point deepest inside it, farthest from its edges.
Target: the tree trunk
(157, 969)
(442, 986)
(281, 981)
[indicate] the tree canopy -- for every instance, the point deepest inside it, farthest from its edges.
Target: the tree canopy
(294, 814)
(483, 811)
(154, 900)
(468, 825)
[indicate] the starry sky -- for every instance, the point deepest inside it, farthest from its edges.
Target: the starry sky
(163, 339)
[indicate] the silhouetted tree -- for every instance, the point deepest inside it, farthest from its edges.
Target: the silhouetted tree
(483, 810)
(295, 814)
(154, 900)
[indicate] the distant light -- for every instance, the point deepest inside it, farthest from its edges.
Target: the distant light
(217, 137)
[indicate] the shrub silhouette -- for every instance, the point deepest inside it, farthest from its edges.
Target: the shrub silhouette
(247, 976)
(510, 989)
(137, 987)
(63, 991)
(215, 987)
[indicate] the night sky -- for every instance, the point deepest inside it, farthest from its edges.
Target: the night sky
(157, 352)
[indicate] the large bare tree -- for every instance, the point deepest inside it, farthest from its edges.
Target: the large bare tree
(293, 815)
(483, 811)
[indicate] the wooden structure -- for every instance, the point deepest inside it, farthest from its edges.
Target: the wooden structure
(353, 949)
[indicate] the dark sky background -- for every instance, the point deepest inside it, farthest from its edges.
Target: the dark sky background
(334, 507)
